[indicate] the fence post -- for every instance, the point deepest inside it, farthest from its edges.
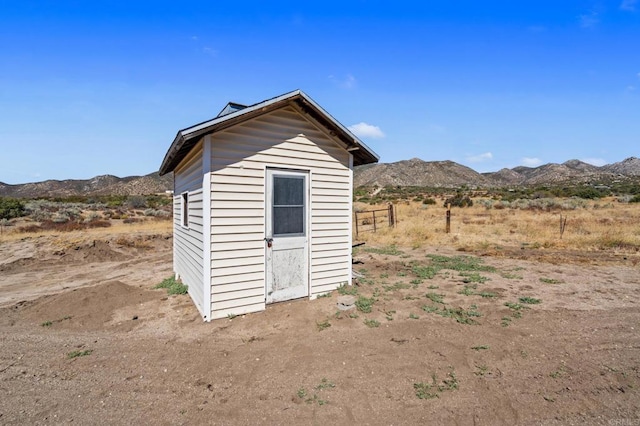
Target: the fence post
(392, 220)
(563, 224)
(374, 221)
(395, 216)
(448, 230)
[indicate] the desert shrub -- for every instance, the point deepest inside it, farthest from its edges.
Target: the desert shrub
(155, 201)
(132, 220)
(486, 203)
(136, 202)
(541, 194)
(635, 199)
(92, 216)
(588, 193)
(98, 224)
(500, 205)
(429, 201)
(60, 217)
(156, 213)
(11, 208)
(459, 200)
(30, 228)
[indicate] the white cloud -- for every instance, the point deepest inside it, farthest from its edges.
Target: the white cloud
(480, 157)
(629, 5)
(364, 130)
(531, 161)
(589, 20)
(594, 161)
(348, 82)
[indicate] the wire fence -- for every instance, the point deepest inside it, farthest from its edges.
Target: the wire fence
(372, 220)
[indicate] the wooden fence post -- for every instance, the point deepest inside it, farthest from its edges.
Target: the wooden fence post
(563, 224)
(374, 221)
(448, 229)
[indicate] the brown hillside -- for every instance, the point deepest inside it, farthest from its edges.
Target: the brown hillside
(99, 185)
(416, 172)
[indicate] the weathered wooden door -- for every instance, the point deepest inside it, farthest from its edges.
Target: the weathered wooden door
(287, 236)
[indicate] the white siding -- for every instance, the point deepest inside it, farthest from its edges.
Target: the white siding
(188, 242)
(239, 159)
(188, 174)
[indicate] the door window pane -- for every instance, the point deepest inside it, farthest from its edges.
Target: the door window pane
(288, 205)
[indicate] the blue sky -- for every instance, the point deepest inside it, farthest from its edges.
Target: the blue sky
(101, 87)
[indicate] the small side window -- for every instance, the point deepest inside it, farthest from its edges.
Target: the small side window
(185, 209)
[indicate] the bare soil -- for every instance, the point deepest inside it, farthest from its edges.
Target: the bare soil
(85, 338)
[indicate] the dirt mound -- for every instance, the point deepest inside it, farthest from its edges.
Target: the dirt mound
(19, 264)
(87, 307)
(95, 251)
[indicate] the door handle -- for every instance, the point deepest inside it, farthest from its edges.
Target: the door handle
(269, 242)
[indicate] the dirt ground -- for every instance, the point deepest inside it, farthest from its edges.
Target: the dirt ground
(85, 339)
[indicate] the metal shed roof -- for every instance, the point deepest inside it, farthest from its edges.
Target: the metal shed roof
(230, 116)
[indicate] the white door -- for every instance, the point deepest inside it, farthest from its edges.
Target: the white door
(287, 235)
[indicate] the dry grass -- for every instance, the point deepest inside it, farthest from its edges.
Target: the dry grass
(613, 227)
(117, 228)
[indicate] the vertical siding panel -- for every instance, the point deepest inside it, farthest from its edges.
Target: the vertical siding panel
(206, 227)
(188, 242)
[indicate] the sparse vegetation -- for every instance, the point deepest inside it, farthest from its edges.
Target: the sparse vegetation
(323, 325)
(364, 304)
(473, 277)
(461, 315)
(480, 347)
(173, 286)
(346, 289)
(389, 250)
(550, 281)
(371, 323)
(77, 354)
(435, 297)
(432, 390)
(50, 323)
(481, 370)
(529, 300)
(324, 385)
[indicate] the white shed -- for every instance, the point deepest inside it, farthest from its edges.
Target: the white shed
(262, 204)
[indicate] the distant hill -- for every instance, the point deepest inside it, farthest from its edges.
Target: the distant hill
(99, 185)
(628, 167)
(416, 172)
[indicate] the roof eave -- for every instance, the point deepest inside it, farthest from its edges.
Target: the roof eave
(361, 152)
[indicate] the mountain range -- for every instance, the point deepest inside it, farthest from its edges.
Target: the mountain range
(414, 172)
(152, 183)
